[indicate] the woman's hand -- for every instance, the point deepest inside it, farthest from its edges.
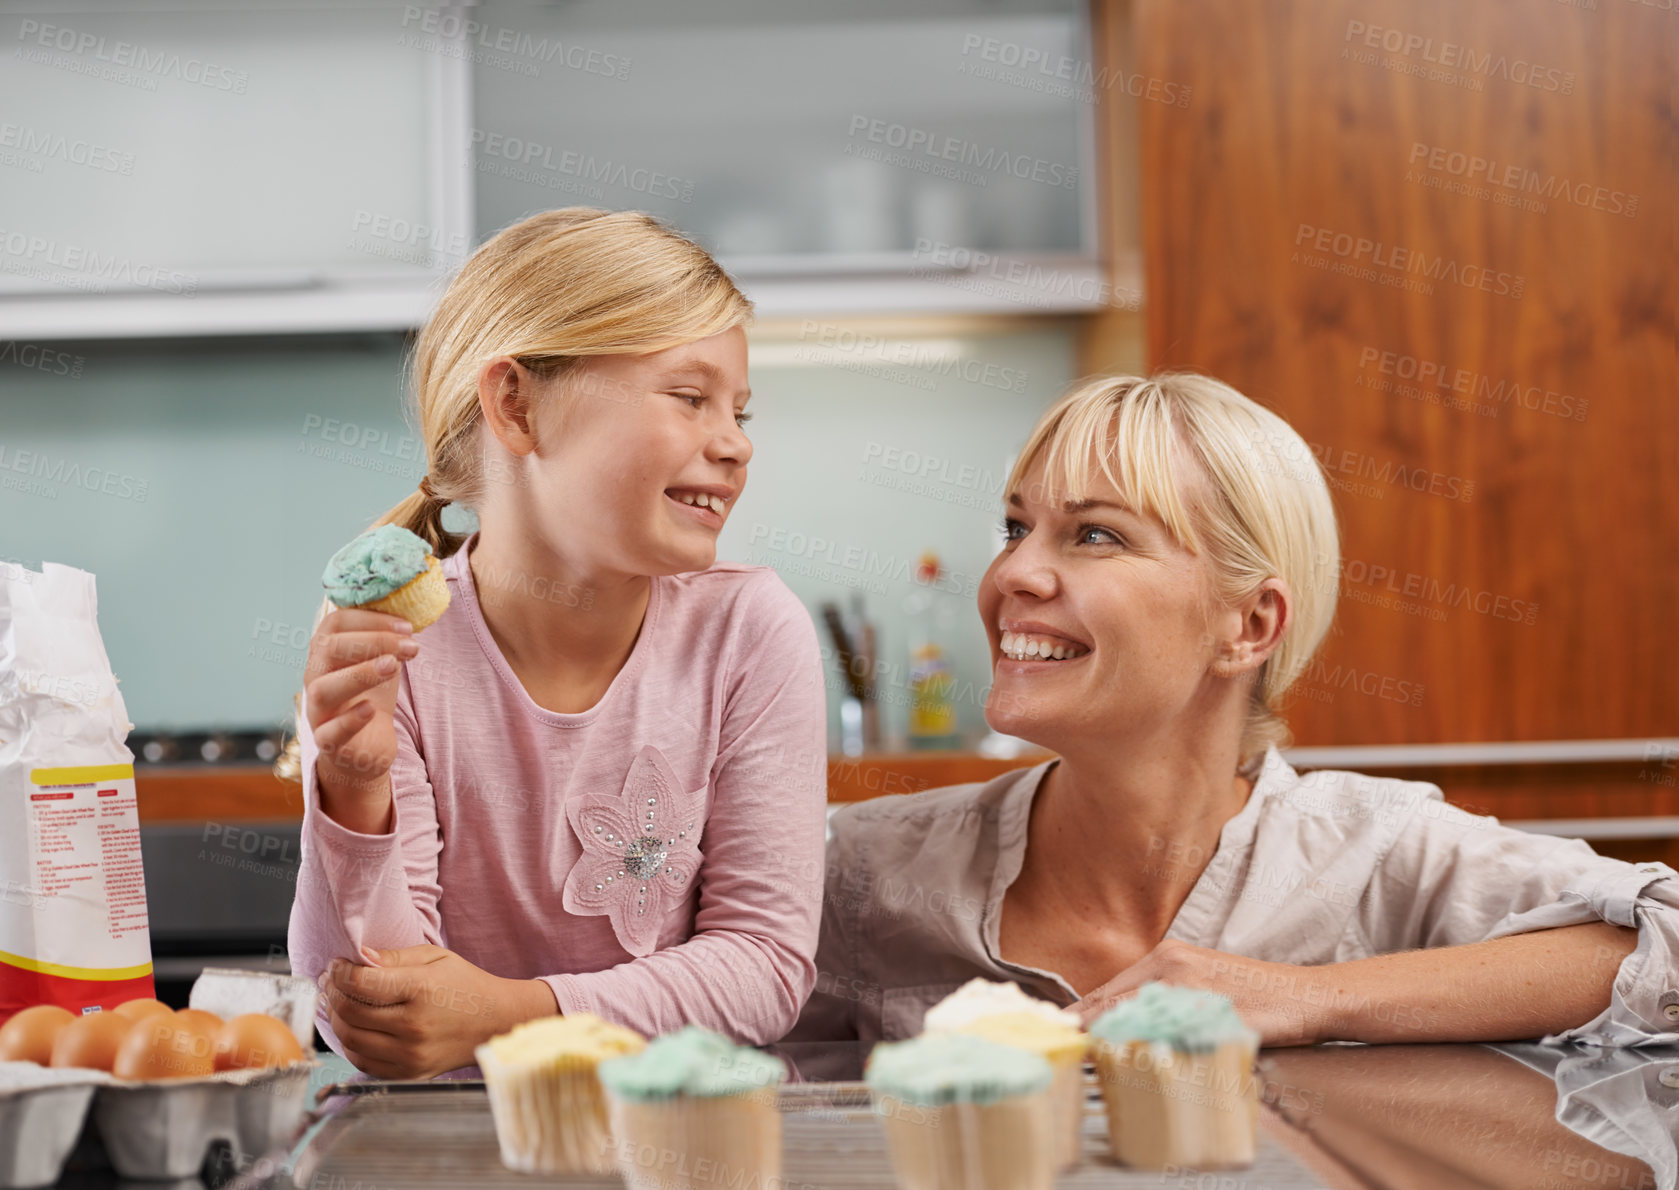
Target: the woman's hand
(422, 1010)
(1505, 989)
(1284, 1004)
(351, 685)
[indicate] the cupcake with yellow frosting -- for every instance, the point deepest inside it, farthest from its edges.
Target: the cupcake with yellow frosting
(1001, 1012)
(982, 998)
(694, 1111)
(964, 1113)
(389, 570)
(1176, 1070)
(550, 1114)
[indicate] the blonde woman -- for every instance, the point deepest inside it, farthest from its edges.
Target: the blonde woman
(1170, 568)
(577, 790)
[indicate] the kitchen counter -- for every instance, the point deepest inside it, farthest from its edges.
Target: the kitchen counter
(238, 791)
(1355, 1117)
(1626, 810)
(249, 792)
(880, 774)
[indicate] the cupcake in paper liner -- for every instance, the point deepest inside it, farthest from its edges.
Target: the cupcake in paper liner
(964, 1113)
(694, 1111)
(982, 998)
(389, 570)
(1063, 1046)
(550, 1114)
(1176, 1070)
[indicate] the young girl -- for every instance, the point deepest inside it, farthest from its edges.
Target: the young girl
(597, 782)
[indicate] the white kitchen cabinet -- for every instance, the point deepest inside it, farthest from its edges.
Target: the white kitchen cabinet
(871, 156)
(232, 167)
(253, 167)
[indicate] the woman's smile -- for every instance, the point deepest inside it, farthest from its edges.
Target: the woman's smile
(1031, 644)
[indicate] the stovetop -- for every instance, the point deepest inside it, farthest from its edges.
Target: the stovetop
(205, 747)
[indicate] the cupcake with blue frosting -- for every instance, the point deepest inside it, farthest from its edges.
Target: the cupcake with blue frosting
(1001, 1012)
(694, 1111)
(962, 1112)
(1176, 1070)
(389, 570)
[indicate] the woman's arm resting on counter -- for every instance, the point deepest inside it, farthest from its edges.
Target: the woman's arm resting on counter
(1507, 989)
(1455, 879)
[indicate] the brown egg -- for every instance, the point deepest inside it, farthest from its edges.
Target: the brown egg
(163, 1047)
(90, 1042)
(29, 1035)
(254, 1041)
(207, 1023)
(139, 1010)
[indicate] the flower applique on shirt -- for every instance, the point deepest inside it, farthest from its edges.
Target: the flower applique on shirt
(640, 851)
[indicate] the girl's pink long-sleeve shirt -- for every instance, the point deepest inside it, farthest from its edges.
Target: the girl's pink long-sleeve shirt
(494, 796)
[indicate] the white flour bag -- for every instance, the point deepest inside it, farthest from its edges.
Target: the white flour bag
(72, 891)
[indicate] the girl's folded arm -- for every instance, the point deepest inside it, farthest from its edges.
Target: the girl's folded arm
(356, 890)
(1453, 878)
(750, 963)
(826, 1042)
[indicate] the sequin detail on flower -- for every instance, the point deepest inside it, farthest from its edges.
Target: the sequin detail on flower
(640, 851)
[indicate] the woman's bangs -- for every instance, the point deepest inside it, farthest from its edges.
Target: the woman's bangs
(1130, 442)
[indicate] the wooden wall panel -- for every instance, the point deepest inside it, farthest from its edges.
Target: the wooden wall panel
(1438, 237)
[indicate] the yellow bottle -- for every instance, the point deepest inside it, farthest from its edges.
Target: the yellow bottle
(932, 685)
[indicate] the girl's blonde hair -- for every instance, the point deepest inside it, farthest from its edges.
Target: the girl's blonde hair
(549, 291)
(1267, 511)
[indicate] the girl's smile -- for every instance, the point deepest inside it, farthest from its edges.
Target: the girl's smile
(708, 504)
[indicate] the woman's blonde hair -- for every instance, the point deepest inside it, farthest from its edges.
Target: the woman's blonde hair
(549, 291)
(1267, 511)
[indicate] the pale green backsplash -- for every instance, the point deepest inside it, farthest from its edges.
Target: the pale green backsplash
(821, 471)
(232, 471)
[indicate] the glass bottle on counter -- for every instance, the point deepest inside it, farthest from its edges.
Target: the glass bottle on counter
(931, 621)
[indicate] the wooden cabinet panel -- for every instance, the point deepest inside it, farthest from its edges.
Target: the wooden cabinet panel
(1437, 237)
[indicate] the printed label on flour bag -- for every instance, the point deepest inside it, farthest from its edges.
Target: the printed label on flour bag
(73, 928)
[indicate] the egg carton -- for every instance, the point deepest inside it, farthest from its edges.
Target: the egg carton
(162, 1130)
(229, 992)
(41, 1114)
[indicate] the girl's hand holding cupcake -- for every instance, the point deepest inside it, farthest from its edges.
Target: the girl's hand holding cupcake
(387, 586)
(350, 688)
(421, 1010)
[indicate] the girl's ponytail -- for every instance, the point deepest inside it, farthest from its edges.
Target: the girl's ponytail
(549, 291)
(421, 513)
